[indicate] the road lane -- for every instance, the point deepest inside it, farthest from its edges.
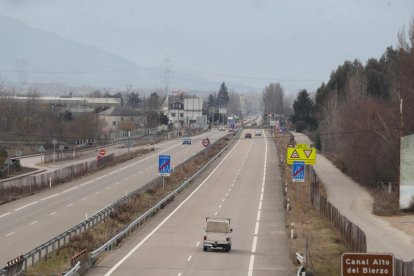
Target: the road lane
(72, 202)
(234, 189)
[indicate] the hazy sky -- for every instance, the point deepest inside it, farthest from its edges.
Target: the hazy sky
(252, 42)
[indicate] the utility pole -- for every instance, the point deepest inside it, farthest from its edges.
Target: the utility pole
(165, 75)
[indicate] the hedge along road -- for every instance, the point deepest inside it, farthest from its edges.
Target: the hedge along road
(354, 202)
(30, 221)
(244, 186)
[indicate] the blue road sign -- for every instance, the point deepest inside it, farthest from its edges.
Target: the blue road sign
(298, 171)
(164, 165)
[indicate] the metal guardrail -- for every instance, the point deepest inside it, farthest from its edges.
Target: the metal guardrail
(57, 242)
(73, 270)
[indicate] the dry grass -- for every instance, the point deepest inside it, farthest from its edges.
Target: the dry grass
(59, 261)
(325, 246)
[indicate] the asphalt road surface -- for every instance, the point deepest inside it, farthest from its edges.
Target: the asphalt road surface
(33, 220)
(243, 185)
(354, 202)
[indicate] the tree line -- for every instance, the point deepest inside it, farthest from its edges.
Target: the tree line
(355, 117)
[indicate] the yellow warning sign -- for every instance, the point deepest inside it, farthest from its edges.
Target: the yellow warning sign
(307, 155)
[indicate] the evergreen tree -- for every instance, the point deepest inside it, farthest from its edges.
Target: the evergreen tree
(303, 107)
(223, 95)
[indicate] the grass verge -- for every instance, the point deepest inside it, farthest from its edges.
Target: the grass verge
(315, 238)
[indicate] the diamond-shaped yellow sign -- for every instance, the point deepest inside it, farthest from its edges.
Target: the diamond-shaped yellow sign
(307, 155)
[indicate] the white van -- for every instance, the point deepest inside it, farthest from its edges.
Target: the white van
(217, 234)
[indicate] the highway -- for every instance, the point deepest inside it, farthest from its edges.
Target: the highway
(33, 220)
(243, 185)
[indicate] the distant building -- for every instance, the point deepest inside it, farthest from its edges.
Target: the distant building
(116, 115)
(184, 110)
(74, 104)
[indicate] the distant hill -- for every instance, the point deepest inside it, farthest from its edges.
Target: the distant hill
(48, 57)
(33, 56)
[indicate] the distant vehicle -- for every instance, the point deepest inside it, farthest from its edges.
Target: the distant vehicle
(217, 234)
(258, 133)
(186, 141)
(221, 129)
(248, 136)
(254, 124)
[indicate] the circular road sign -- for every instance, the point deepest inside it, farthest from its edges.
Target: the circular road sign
(206, 142)
(61, 147)
(54, 141)
(102, 152)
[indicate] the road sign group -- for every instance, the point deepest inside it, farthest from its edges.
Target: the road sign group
(299, 156)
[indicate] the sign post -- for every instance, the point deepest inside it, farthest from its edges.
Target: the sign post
(164, 167)
(206, 143)
(298, 171)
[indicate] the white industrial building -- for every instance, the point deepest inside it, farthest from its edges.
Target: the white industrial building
(185, 110)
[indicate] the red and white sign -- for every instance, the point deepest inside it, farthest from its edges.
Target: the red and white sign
(206, 142)
(102, 152)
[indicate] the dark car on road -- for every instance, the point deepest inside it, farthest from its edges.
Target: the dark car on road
(248, 136)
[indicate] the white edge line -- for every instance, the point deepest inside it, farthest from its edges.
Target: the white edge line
(168, 217)
(27, 205)
(50, 196)
(251, 263)
(9, 234)
(8, 213)
(189, 258)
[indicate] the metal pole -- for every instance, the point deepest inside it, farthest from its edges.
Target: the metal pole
(163, 182)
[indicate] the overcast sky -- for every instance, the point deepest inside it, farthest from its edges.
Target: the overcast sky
(295, 42)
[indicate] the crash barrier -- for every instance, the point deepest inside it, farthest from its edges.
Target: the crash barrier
(74, 270)
(353, 236)
(42, 251)
(22, 186)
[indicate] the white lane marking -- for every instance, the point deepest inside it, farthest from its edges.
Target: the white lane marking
(262, 189)
(69, 189)
(227, 194)
(229, 189)
(219, 206)
(106, 188)
(9, 234)
(224, 199)
(117, 183)
(27, 205)
(84, 198)
(215, 213)
(254, 244)
(50, 196)
(256, 228)
(179, 274)
(133, 174)
(168, 217)
(34, 222)
(95, 193)
(260, 205)
(198, 243)
(51, 214)
(70, 204)
(251, 263)
(189, 258)
(8, 213)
